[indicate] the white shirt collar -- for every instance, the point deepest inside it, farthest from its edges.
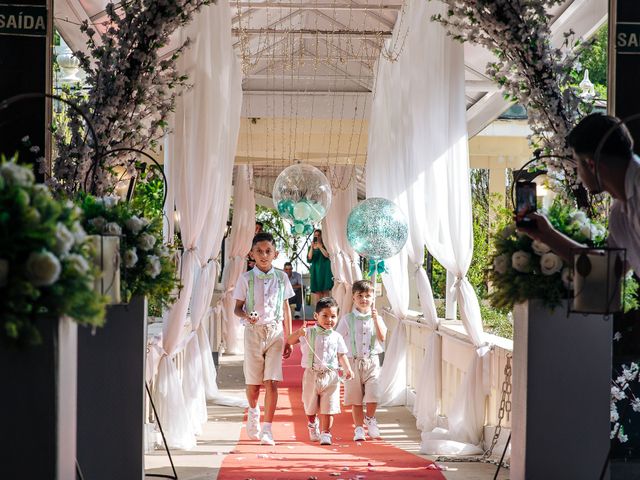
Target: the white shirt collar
(256, 271)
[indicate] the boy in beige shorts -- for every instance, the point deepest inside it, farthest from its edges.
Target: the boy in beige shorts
(262, 304)
(322, 348)
(364, 332)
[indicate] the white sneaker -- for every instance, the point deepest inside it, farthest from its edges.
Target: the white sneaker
(314, 431)
(358, 434)
(372, 427)
(253, 424)
(266, 438)
(325, 438)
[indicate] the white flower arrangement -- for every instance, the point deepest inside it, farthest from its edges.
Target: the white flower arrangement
(45, 269)
(523, 269)
(149, 267)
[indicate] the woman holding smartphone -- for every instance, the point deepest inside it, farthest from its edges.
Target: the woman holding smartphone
(320, 269)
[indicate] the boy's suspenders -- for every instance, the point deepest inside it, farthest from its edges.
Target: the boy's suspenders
(312, 349)
(251, 301)
(351, 318)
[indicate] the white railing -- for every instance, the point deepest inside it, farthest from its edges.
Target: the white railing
(457, 353)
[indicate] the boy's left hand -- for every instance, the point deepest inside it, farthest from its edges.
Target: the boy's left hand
(348, 374)
(287, 351)
(374, 313)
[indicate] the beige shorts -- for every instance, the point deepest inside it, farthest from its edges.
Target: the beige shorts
(320, 392)
(263, 346)
(364, 387)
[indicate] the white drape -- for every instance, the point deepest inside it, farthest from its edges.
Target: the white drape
(418, 120)
(201, 160)
(344, 260)
(242, 232)
(384, 143)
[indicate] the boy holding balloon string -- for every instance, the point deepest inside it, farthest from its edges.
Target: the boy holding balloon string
(364, 333)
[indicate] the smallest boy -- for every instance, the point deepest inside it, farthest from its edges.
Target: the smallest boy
(322, 348)
(363, 331)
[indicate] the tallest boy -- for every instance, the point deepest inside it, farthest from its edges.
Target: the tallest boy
(262, 303)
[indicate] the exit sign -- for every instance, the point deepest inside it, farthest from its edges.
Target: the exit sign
(23, 20)
(628, 37)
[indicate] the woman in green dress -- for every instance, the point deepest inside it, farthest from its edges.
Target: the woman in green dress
(320, 270)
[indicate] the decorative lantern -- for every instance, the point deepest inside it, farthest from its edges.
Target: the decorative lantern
(598, 280)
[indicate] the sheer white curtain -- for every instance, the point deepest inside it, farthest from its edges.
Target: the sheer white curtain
(242, 232)
(419, 121)
(201, 159)
(344, 260)
(385, 143)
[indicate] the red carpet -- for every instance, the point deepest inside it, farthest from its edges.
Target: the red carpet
(295, 457)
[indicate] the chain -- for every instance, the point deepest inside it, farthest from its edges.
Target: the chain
(505, 406)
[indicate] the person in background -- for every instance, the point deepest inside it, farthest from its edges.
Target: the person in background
(259, 228)
(296, 282)
(320, 270)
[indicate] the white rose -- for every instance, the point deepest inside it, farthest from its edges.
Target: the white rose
(41, 190)
(550, 263)
(567, 278)
(98, 223)
(43, 268)
(597, 231)
(585, 230)
(77, 263)
(520, 261)
(110, 201)
(153, 267)
(146, 241)
(145, 221)
(112, 228)
(15, 174)
(579, 217)
(130, 257)
(501, 263)
(134, 224)
(4, 272)
(539, 247)
(162, 251)
(78, 233)
(64, 239)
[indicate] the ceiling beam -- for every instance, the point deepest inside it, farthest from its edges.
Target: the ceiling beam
(356, 7)
(312, 32)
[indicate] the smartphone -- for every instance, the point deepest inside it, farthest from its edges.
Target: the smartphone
(525, 202)
(315, 240)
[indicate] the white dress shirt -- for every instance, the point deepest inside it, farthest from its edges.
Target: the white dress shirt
(624, 218)
(265, 292)
(326, 349)
(364, 329)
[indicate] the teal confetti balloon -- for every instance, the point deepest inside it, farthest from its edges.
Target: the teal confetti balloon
(377, 229)
(302, 195)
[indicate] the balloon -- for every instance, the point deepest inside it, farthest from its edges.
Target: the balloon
(316, 212)
(301, 211)
(308, 229)
(298, 228)
(377, 229)
(302, 193)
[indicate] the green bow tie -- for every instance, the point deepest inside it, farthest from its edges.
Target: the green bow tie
(322, 331)
(264, 276)
(362, 316)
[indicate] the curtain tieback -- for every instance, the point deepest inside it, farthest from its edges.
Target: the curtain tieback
(416, 267)
(456, 284)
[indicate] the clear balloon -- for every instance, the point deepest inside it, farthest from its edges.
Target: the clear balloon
(302, 194)
(377, 229)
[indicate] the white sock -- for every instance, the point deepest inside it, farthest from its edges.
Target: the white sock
(266, 427)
